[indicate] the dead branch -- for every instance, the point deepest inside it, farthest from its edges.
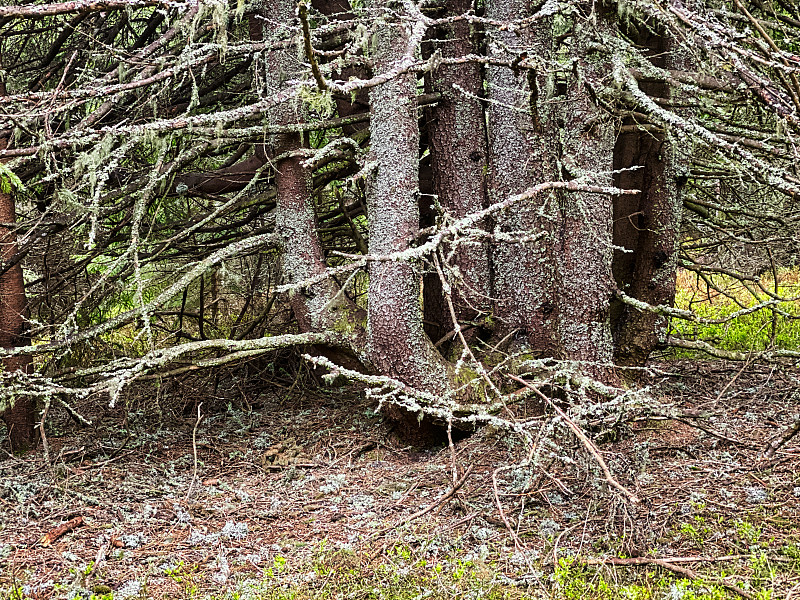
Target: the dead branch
(669, 566)
(47, 10)
(52, 535)
(587, 443)
(420, 513)
(776, 443)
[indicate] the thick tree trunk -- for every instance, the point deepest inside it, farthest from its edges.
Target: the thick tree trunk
(646, 224)
(20, 419)
(458, 150)
(525, 278)
(396, 342)
(321, 306)
(585, 253)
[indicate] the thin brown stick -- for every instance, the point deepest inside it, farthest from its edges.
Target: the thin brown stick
(302, 12)
(194, 450)
(450, 493)
(47, 10)
(733, 379)
(587, 443)
(669, 566)
(671, 559)
(45, 445)
(518, 545)
(453, 464)
(711, 432)
(776, 443)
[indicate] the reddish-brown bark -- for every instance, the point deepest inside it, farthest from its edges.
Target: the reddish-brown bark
(20, 419)
(396, 342)
(456, 134)
(320, 306)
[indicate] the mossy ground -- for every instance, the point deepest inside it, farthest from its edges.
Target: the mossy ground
(761, 330)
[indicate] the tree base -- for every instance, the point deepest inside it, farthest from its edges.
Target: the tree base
(425, 433)
(20, 421)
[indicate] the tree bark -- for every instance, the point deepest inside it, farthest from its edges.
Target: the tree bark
(525, 278)
(321, 306)
(396, 342)
(458, 149)
(20, 419)
(585, 253)
(647, 224)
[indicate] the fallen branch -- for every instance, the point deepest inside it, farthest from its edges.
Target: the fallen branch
(37, 11)
(712, 432)
(52, 535)
(449, 494)
(776, 443)
(587, 443)
(669, 566)
(194, 449)
(518, 545)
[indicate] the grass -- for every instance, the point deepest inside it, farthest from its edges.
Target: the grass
(405, 573)
(753, 332)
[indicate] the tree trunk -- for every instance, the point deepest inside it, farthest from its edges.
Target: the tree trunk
(458, 150)
(646, 224)
(585, 253)
(20, 419)
(396, 342)
(525, 279)
(321, 306)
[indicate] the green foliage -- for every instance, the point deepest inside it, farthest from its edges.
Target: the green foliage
(746, 333)
(9, 180)
(186, 577)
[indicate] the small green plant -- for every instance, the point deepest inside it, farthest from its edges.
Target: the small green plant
(184, 576)
(748, 532)
(696, 531)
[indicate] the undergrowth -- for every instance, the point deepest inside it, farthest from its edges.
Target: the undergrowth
(401, 572)
(753, 332)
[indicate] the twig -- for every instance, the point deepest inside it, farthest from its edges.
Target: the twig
(665, 564)
(558, 541)
(450, 493)
(45, 445)
(453, 464)
(517, 542)
(99, 558)
(302, 12)
(671, 559)
(194, 450)
(712, 432)
(775, 444)
(733, 379)
(588, 444)
(269, 467)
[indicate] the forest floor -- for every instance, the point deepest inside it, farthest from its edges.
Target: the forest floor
(280, 493)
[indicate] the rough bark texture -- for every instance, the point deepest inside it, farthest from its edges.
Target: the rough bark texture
(457, 142)
(585, 253)
(321, 306)
(646, 224)
(397, 344)
(524, 273)
(20, 419)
